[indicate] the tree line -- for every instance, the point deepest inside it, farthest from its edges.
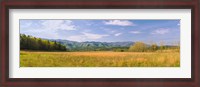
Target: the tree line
(142, 47)
(28, 42)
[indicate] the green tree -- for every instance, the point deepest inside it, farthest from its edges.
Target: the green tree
(28, 42)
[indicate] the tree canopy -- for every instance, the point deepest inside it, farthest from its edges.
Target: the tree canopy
(138, 47)
(28, 42)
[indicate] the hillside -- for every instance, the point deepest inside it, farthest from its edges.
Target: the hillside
(92, 45)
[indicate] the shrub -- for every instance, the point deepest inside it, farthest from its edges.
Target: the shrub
(138, 47)
(153, 47)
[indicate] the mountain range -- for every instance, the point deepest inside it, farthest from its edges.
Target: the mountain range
(92, 45)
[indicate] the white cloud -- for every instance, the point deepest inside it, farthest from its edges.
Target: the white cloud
(160, 31)
(119, 23)
(26, 24)
(57, 25)
(86, 37)
(43, 34)
(47, 28)
(78, 38)
(93, 36)
(117, 34)
(67, 26)
(135, 32)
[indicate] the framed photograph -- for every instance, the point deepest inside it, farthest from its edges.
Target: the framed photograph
(100, 43)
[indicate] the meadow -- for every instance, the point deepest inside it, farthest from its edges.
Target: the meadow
(99, 59)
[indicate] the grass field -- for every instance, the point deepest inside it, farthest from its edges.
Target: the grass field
(99, 59)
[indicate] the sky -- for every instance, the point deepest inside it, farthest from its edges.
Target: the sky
(104, 30)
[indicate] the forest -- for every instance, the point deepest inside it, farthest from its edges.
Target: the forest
(28, 42)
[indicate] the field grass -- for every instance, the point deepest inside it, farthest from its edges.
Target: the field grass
(99, 59)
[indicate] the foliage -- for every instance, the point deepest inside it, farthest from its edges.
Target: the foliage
(28, 42)
(120, 49)
(142, 47)
(138, 47)
(153, 47)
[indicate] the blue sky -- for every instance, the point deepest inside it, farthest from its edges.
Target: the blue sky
(148, 31)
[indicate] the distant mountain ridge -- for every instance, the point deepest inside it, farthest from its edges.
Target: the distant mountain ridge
(92, 45)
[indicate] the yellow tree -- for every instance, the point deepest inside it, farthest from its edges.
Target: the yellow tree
(138, 47)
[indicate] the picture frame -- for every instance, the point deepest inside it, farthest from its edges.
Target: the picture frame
(120, 82)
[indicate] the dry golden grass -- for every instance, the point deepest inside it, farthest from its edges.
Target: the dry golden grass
(99, 59)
